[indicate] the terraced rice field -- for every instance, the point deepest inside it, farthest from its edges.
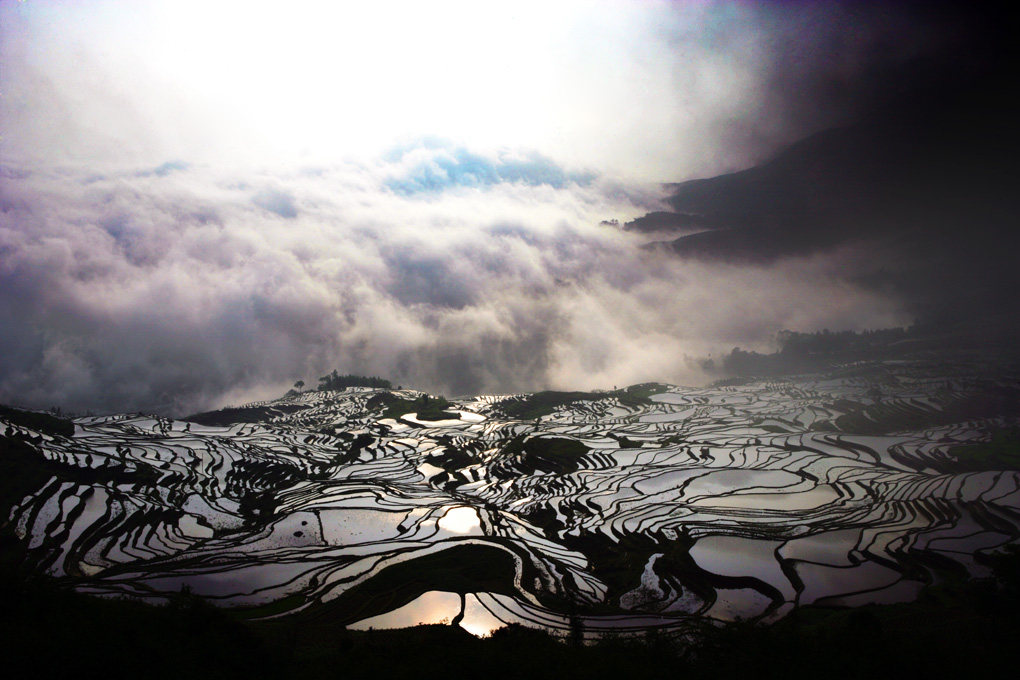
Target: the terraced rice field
(657, 506)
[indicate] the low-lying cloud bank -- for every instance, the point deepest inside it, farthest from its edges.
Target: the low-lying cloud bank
(185, 287)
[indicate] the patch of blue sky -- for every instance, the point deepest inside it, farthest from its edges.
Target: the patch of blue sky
(433, 166)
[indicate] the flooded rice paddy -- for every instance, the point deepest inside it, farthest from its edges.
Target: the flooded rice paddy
(627, 510)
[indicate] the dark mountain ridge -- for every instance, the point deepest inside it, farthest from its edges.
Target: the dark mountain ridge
(925, 182)
(902, 166)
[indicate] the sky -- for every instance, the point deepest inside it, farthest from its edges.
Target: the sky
(203, 202)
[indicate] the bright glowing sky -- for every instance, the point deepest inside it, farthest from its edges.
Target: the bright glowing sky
(649, 90)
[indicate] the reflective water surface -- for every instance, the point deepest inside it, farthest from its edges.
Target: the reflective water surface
(734, 500)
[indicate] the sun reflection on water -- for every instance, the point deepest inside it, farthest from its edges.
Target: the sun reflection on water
(461, 520)
(436, 607)
(431, 607)
(477, 619)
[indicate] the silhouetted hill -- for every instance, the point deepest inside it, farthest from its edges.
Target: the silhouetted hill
(908, 168)
(661, 221)
(927, 182)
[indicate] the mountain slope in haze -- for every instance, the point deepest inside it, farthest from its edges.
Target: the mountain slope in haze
(927, 184)
(898, 171)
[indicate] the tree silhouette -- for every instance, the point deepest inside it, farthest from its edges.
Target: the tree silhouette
(334, 381)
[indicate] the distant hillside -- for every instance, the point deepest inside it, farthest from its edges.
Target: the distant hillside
(825, 350)
(941, 152)
(927, 182)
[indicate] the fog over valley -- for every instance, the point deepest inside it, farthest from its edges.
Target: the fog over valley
(181, 288)
(200, 207)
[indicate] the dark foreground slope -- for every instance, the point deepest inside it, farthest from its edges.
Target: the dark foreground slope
(960, 629)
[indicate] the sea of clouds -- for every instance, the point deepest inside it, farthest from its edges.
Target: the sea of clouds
(184, 287)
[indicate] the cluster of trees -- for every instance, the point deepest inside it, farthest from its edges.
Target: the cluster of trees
(334, 381)
(826, 341)
(804, 352)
